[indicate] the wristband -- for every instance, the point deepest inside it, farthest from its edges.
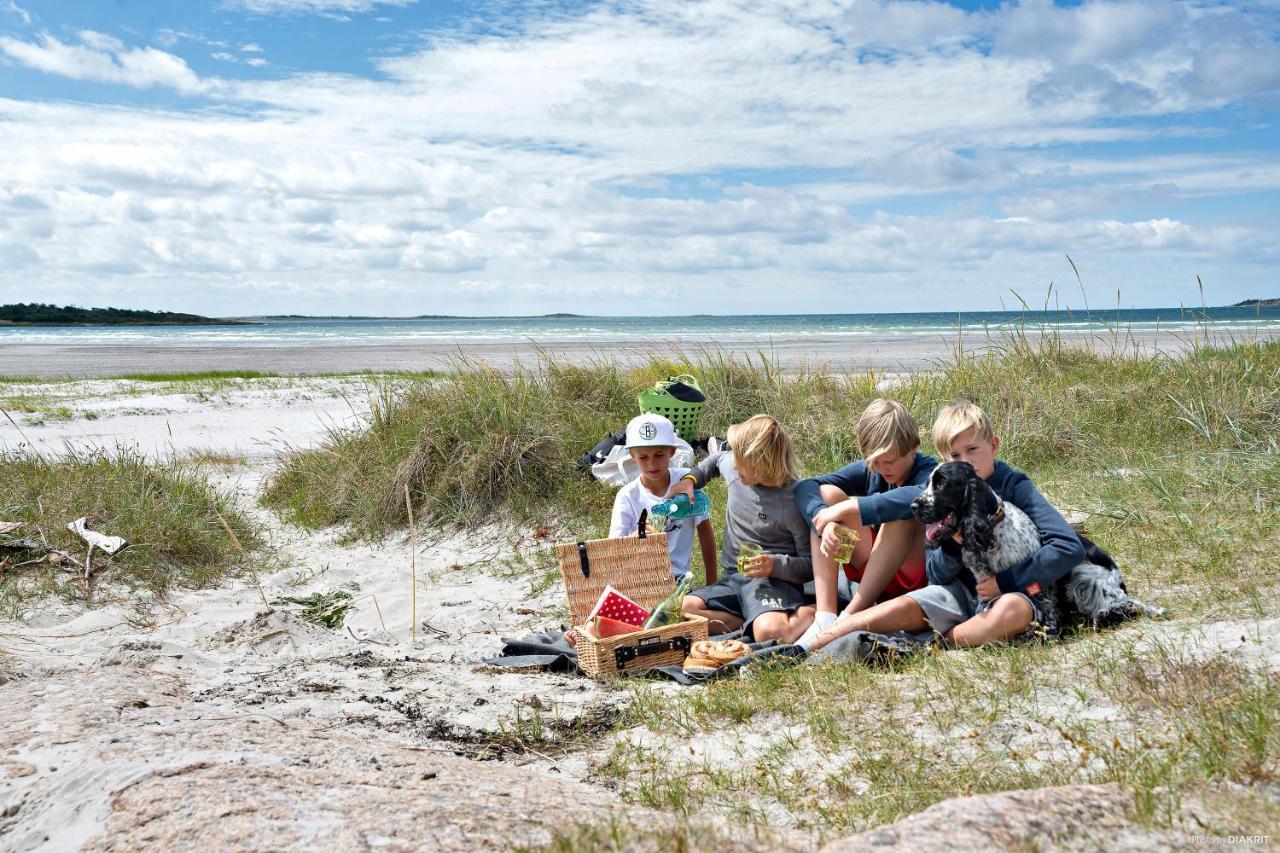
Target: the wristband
(691, 478)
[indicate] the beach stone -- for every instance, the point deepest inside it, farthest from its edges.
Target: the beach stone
(1071, 816)
(140, 766)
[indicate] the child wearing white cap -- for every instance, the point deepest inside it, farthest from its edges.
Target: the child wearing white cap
(651, 441)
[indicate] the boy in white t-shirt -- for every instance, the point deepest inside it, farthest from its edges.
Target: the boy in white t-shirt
(651, 442)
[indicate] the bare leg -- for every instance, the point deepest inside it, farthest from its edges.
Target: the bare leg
(825, 571)
(720, 621)
(785, 627)
(892, 547)
(1007, 618)
(897, 614)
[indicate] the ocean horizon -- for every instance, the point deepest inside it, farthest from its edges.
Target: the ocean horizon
(584, 329)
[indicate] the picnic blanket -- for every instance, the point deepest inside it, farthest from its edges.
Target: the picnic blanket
(549, 650)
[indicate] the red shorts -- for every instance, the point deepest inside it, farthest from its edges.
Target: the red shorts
(908, 577)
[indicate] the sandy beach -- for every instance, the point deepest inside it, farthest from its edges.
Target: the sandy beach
(904, 353)
(212, 716)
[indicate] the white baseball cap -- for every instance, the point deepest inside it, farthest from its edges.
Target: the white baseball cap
(650, 431)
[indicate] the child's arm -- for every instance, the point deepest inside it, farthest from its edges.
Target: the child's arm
(701, 474)
(1060, 547)
(707, 542)
(895, 504)
(851, 479)
(796, 568)
(940, 567)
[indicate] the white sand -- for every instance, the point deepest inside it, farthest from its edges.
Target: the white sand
(234, 656)
(220, 654)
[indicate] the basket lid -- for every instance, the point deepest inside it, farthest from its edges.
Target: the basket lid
(638, 568)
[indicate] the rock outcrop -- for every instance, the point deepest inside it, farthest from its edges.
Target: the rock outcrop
(142, 767)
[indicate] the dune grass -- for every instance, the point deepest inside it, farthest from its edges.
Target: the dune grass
(482, 444)
(1173, 459)
(842, 748)
(196, 376)
(167, 511)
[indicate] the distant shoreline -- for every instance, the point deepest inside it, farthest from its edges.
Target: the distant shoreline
(99, 319)
(881, 355)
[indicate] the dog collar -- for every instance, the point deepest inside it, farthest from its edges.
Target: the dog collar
(999, 515)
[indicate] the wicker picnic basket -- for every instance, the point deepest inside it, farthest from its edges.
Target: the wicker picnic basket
(640, 569)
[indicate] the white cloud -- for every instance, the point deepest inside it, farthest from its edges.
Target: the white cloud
(732, 156)
(102, 58)
(250, 47)
(15, 9)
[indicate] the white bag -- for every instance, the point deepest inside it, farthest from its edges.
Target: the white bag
(618, 468)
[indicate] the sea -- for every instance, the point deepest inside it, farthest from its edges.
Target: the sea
(460, 331)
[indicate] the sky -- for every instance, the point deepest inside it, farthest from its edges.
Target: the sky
(404, 157)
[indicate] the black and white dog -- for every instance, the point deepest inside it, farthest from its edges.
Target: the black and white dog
(998, 535)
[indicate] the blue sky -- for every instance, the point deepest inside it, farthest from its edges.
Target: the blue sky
(407, 157)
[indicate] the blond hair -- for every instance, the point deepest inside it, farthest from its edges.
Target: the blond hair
(957, 418)
(886, 425)
(763, 444)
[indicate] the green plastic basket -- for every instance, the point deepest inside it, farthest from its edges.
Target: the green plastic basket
(683, 416)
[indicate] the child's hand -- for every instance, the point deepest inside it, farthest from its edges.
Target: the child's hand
(761, 567)
(830, 541)
(683, 486)
(571, 637)
(988, 588)
(832, 514)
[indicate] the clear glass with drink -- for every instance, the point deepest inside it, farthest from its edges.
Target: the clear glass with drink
(657, 521)
(747, 552)
(848, 540)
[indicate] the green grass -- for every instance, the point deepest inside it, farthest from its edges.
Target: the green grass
(168, 512)
(484, 444)
(1175, 460)
(196, 376)
(842, 748)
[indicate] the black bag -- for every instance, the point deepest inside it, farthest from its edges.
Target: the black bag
(601, 451)
(686, 393)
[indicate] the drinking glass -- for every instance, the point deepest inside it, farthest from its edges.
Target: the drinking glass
(747, 552)
(848, 539)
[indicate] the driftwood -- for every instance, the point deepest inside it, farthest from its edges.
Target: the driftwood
(45, 554)
(55, 557)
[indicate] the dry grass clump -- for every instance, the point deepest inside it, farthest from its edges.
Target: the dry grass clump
(480, 443)
(168, 512)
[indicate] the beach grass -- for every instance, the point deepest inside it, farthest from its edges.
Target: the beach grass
(842, 747)
(168, 512)
(483, 444)
(1173, 461)
(196, 376)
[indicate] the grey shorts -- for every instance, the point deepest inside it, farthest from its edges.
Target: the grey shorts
(947, 605)
(747, 598)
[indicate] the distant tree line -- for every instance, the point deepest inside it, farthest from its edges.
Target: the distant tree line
(38, 314)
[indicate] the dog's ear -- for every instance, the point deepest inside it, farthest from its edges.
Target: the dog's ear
(977, 525)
